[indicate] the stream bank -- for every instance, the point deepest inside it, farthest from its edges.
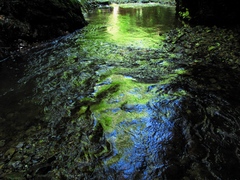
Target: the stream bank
(24, 23)
(109, 111)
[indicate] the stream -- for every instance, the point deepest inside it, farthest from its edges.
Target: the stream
(130, 96)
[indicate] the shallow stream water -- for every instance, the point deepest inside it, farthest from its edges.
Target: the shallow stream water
(132, 24)
(113, 101)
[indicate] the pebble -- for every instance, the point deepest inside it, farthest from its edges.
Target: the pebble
(16, 164)
(26, 159)
(213, 81)
(20, 145)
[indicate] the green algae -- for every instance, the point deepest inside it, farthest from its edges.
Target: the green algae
(180, 71)
(120, 90)
(82, 110)
(121, 144)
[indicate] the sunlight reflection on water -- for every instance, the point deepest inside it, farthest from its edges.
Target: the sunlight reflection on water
(135, 25)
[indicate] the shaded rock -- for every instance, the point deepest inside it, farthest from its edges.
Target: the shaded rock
(37, 20)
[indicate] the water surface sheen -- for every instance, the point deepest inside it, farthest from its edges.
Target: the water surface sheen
(132, 24)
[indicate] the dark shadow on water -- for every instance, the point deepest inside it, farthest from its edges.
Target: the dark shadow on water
(205, 141)
(18, 111)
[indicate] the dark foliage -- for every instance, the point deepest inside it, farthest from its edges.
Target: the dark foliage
(211, 12)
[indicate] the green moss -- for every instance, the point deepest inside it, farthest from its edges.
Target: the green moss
(113, 159)
(210, 48)
(108, 89)
(106, 122)
(180, 71)
(168, 78)
(185, 14)
(166, 63)
(82, 110)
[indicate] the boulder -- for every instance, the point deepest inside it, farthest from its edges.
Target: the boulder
(36, 20)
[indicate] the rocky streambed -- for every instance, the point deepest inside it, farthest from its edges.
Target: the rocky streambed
(105, 111)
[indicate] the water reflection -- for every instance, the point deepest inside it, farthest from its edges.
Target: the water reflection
(114, 29)
(134, 25)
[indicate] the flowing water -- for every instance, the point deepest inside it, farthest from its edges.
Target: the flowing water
(132, 24)
(112, 101)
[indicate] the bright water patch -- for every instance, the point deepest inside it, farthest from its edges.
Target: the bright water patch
(137, 123)
(132, 24)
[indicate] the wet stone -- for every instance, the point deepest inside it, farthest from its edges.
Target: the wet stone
(213, 81)
(16, 164)
(20, 145)
(26, 159)
(2, 143)
(36, 159)
(9, 153)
